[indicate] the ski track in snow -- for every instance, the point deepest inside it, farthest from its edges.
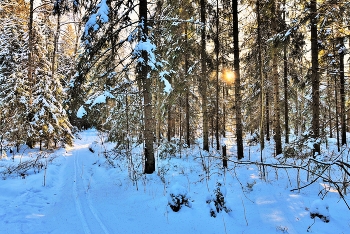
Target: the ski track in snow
(77, 200)
(83, 203)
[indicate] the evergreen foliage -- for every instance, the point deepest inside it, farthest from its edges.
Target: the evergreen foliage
(165, 74)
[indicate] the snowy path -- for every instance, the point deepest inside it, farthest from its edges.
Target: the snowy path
(83, 197)
(85, 208)
(73, 206)
(80, 210)
(69, 203)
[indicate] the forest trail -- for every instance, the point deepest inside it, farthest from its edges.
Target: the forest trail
(85, 207)
(79, 206)
(84, 195)
(68, 203)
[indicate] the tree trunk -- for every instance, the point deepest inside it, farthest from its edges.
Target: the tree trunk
(336, 103)
(336, 112)
(267, 115)
(187, 99)
(329, 95)
(224, 153)
(217, 47)
(342, 92)
(262, 104)
(237, 82)
(315, 77)
(147, 95)
(30, 46)
(170, 124)
(276, 93)
(276, 109)
(55, 45)
(203, 80)
(285, 83)
(31, 82)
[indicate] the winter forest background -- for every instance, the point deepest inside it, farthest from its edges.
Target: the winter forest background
(166, 77)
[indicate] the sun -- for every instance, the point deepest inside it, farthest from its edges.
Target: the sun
(228, 76)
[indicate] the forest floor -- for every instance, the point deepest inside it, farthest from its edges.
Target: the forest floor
(74, 190)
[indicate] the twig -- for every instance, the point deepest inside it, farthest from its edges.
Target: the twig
(245, 216)
(308, 229)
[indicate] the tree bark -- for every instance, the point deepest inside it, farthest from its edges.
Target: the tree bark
(187, 120)
(55, 45)
(187, 99)
(237, 82)
(267, 115)
(276, 93)
(285, 83)
(203, 80)
(315, 77)
(262, 105)
(30, 46)
(342, 92)
(31, 82)
(217, 50)
(336, 112)
(147, 95)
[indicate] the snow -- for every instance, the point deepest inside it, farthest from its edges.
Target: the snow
(149, 47)
(101, 15)
(320, 207)
(81, 112)
(78, 191)
(100, 98)
(288, 33)
(167, 86)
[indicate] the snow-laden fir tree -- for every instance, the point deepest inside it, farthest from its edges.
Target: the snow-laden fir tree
(50, 121)
(13, 83)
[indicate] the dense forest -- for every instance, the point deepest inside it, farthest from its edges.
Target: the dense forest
(150, 73)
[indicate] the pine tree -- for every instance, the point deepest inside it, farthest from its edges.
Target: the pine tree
(315, 78)
(49, 121)
(14, 95)
(238, 99)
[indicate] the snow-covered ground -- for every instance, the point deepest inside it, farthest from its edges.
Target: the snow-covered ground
(84, 194)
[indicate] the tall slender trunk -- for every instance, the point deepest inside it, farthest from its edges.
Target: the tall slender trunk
(170, 119)
(267, 115)
(262, 104)
(31, 82)
(276, 109)
(224, 96)
(336, 112)
(315, 79)
(127, 122)
(217, 50)
(342, 92)
(147, 95)
(203, 79)
(276, 92)
(285, 84)
(187, 98)
(262, 85)
(301, 122)
(55, 45)
(329, 95)
(30, 46)
(237, 83)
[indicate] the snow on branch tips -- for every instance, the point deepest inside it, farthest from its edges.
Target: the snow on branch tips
(99, 99)
(149, 47)
(81, 112)
(101, 16)
(167, 85)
